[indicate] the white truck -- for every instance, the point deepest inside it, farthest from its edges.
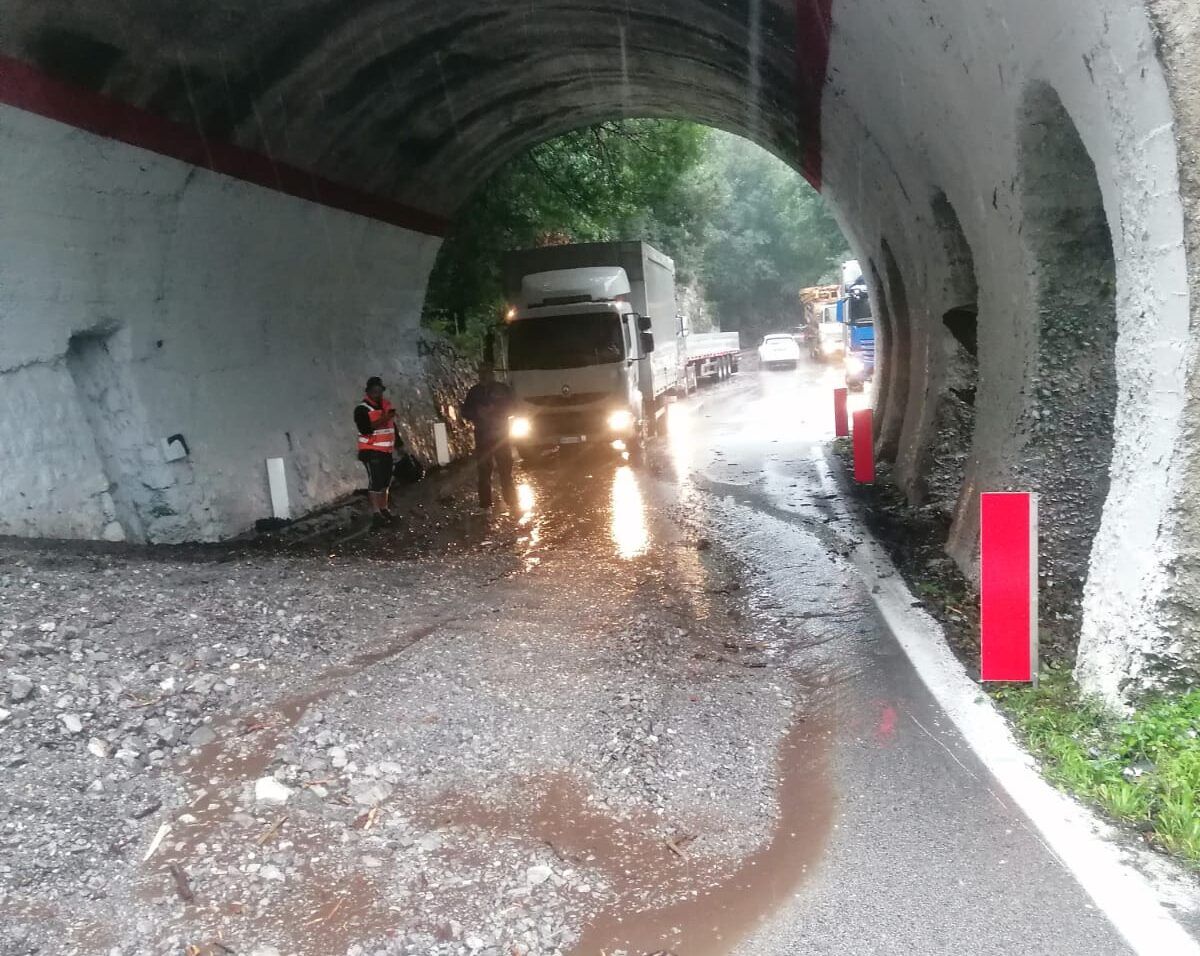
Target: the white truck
(710, 355)
(594, 346)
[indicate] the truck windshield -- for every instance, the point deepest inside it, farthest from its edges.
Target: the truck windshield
(564, 341)
(860, 309)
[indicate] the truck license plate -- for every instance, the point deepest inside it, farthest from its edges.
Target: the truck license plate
(572, 439)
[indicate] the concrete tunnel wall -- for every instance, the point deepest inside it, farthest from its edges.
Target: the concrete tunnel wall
(952, 128)
(911, 116)
(141, 297)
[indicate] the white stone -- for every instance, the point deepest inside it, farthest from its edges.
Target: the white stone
(98, 747)
(537, 875)
(271, 872)
(369, 793)
(269, 791)
(72, 722)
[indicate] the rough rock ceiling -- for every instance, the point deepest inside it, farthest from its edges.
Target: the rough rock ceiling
(418, 100)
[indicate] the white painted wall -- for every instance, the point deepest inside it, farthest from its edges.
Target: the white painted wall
(935, 104)
(242, 316)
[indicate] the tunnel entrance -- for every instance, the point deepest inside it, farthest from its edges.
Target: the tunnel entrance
(745, 231)
(1073, 383)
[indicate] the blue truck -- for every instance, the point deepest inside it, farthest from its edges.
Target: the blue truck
(858, 327)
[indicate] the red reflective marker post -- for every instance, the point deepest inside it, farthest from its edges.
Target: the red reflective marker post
(864, 446)
(1008, 568)
(841, 420)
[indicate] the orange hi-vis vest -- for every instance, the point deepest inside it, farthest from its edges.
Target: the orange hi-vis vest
(383, 438)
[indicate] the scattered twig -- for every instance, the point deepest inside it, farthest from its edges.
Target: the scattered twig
(142, 812)
(675, 848)
(328, 916)
(182, 886)
(157, 841)
(274, 828)
(366, 820)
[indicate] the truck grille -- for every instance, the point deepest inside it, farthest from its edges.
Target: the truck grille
(565, 401)
(569, 423)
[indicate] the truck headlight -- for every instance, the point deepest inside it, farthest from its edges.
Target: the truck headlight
(520, 428)
(855, 365)
(620, 420)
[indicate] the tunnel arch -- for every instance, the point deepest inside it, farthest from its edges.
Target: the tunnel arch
(382, 116)
(884, 335)
(896, 357)
(938, 462)
(1072, 386)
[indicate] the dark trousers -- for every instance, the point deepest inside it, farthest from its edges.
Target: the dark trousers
(495, 456)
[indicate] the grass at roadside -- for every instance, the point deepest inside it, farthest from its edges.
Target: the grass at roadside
(1143, 770)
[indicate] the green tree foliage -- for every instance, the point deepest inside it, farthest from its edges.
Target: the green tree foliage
(769, 235)
(615, 181)
(744, 229)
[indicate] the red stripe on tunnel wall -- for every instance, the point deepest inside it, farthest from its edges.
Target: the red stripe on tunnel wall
(27, 88)
(814, 22)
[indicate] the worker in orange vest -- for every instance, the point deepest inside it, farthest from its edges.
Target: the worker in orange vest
(375, 419)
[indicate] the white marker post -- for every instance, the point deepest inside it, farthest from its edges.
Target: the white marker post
(441, 443)
(277, 479)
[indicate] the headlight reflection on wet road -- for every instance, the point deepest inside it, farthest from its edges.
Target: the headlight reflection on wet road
(529, 523)
(629, 531)
(679, 437)
(525, 500)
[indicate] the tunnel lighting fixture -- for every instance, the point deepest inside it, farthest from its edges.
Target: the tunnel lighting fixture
(520, 428)
(620, 420)
(618, 445)
(510, 315)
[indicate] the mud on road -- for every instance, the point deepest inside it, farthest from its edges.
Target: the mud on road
(564, 730)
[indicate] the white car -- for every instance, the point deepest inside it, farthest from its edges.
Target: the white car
(780, 349)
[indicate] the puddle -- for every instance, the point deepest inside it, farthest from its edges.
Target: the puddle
(661, 899)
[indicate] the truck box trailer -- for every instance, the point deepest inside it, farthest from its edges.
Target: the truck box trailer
(651, 278)
(594, 346)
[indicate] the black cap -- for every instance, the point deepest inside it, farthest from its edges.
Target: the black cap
(375, 380)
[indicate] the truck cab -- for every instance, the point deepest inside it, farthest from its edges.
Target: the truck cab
(830, 338)
(579, 358)
(859, 337)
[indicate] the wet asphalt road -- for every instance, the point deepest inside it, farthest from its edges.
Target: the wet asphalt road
(922, 852)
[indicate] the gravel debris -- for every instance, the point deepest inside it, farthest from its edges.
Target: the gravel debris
(453, 752)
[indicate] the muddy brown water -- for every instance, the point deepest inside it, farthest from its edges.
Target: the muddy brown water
(660, 899)
(329, 904)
